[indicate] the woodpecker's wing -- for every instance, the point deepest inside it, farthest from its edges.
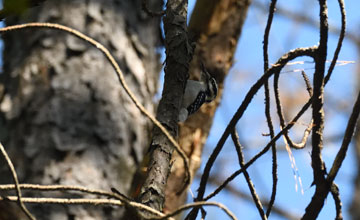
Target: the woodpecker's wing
(200, 99)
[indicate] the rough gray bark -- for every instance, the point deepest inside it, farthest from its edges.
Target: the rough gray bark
(66, 119)
(178, 56)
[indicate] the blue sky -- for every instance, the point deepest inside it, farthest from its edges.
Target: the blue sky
(285, 35)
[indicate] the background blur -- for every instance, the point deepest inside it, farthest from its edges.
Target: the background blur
(287, 33)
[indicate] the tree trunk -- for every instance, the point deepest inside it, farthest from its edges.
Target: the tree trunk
(65, 117)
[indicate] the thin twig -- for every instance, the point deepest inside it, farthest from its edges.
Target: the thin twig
(76, 201)
(16, 181)
(349, 132)
(81, 201)
(267, 106)
(307, 83)
(309, 51)
(279, 111)
(340, 41)
(199, 204)
(69, 201)
(238, 147)
(262, 152)
(304, 19)
(121, 198)
(279, 210)
(7, 187)
(119, 73)
(338, 204)
(266, 34)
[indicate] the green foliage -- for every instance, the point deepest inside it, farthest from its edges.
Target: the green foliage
(15, 7)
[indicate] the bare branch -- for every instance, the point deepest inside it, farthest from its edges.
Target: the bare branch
(323, 186)
(262, 152)
(349, 132)
(340, 41)
(267, 106)
(282, 119)
(309, 51)
(77, 201)
(16, 181)
(235, 192)
(336, 196)
(238, 147)
(318, 165)
(7, 187)
(199, 204)
(178, 56)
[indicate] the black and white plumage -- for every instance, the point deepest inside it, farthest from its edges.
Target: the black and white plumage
(197, 93)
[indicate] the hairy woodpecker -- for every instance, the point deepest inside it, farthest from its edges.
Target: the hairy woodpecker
(197, 93)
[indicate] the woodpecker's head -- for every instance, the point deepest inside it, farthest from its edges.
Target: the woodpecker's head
(212, 90)
(210, 83)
